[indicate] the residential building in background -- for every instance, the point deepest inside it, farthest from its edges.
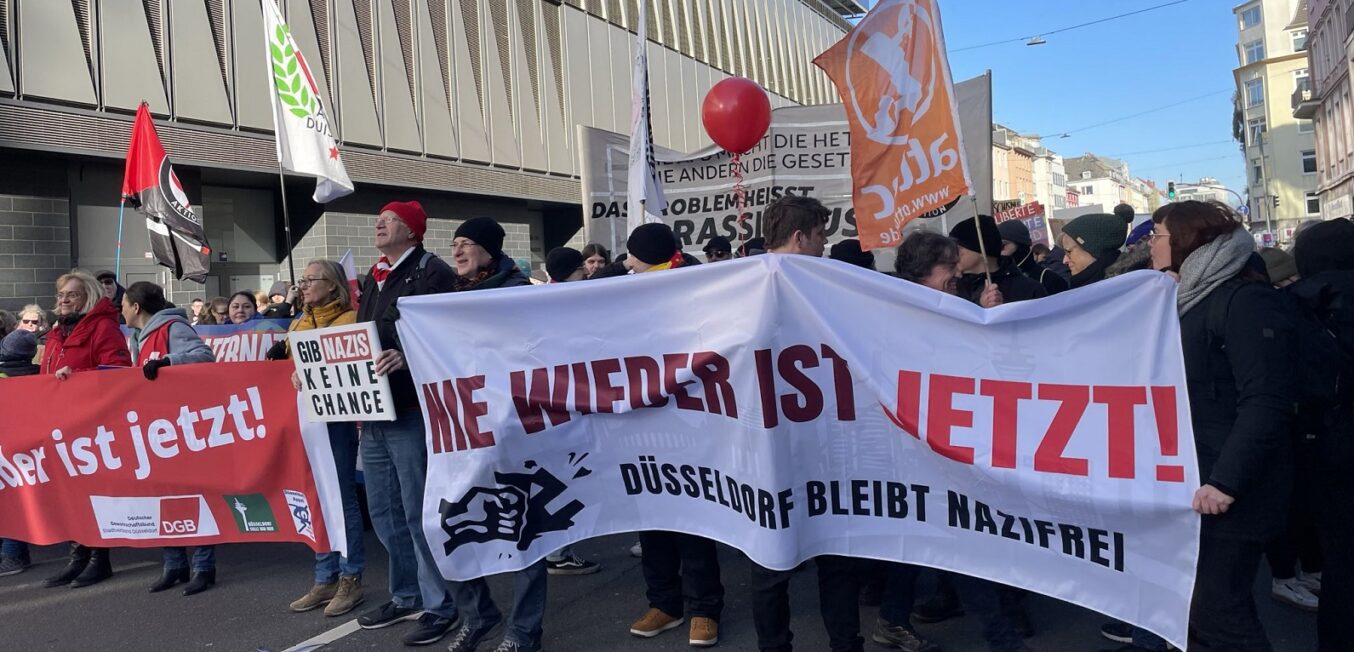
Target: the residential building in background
(470, 107)
(1324, 98)
(1102, 181)
(1034, 172)
(1280, 149)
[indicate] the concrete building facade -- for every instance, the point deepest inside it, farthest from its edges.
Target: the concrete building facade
(1280, 149)
(469, 106)
(1325, 100)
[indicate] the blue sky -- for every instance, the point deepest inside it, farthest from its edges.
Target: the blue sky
(1106, 71)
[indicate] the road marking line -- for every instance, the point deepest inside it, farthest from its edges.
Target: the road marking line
(325, 638)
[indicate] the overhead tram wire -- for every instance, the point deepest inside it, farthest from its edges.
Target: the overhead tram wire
(1142, 113)
(1171, 149)
(1069, 28)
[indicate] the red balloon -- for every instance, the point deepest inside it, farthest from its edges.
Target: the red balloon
(736, 114)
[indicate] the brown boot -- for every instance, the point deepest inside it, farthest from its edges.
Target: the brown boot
(654, 622)
(704, 632)
(348, 596)
(318, 596)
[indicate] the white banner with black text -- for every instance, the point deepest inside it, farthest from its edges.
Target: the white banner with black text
(835, 411)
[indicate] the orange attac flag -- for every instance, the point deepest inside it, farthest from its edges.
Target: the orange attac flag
(906, 155)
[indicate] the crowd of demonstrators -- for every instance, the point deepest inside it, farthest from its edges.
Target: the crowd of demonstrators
(325, 302)
(1275, 479)
(162, 337)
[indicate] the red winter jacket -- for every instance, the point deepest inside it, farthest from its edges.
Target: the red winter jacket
(94, 341)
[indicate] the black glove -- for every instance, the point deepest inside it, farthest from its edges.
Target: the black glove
(152, 367)
(278, 351)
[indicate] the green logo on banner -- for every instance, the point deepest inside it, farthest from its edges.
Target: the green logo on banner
(252, 513)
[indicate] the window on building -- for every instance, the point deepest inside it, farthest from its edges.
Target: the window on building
(1086, 174)
(1301, 74)
(1254, 51)
(1250, 16)
(1086, 190)
(1299, 40)
(1305, 126)
(1257, 172)
(1309, 161)
(1255, 127)
(1313, 203)
(1255, 92)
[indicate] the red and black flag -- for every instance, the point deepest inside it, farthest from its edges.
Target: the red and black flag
(150, 186)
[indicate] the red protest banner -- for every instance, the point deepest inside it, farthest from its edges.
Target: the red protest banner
(206, 454)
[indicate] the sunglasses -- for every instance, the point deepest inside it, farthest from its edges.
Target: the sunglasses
(33, 322)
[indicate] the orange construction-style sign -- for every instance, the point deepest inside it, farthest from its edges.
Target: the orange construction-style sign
(906, 155)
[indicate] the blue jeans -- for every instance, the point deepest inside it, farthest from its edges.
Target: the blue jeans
(328, 565)
(204, 558)
(395, 466)
(15, 549)
(528, 606)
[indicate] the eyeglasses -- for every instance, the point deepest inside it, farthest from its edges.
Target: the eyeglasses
(382, 220)
(73, 296)
(32, 322)
(306, 280)
(221, 313)
(108, 281)
(1154, 235)
(457, 245)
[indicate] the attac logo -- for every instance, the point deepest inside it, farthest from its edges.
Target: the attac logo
(178, 516)
(252, 513)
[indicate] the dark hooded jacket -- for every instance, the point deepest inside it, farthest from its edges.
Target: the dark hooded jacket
(1013, 284)
(1052, 282)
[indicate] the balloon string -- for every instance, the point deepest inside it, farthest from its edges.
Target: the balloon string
(740, 195)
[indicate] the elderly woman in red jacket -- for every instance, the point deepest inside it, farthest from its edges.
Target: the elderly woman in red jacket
(85, 336)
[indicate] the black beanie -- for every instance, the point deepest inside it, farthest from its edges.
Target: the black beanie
(653, 243)
(1325, 246)
(1015, 231)
(1125, 213)
(485, 232)
(562, 262)
(848, 251)
(966, 234)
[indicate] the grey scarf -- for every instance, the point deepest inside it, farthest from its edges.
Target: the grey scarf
(1212, 265)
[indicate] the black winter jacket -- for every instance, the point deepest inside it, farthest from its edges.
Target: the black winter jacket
(1013, 284)
(1241, 392)
(379, 305)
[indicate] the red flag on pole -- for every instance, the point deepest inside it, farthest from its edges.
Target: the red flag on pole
(177, 239)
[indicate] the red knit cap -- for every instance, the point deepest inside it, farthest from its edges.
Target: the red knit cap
(412, 214)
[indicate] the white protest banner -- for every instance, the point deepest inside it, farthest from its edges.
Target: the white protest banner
(806, 152)
(337, 366)
(836, 411)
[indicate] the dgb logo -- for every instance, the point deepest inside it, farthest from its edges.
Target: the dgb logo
(178, 516)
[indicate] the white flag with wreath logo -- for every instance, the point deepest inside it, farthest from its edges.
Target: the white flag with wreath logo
(305, 142)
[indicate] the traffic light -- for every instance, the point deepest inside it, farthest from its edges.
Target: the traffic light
(1276, 201)
(1170, 190)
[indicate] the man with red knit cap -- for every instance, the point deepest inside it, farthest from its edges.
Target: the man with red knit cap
(394, 453)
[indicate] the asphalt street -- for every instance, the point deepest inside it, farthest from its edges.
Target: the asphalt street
(247, 610)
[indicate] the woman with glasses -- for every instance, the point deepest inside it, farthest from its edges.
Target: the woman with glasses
(85, 337)
(215, 313)
(33, 319)
(338, 580)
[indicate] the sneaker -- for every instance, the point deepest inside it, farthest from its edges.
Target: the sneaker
(430, 629)
(318, 596)
(468, 638)
(571, 565)
(1117, 632)
(937, 609)
(637, 550)
(346, 598)
(13, 565)
(510, 646)
(386, 615)
(654, 622)
(1312, 582)
(900, 637)
(704, 632)
(1293, 593)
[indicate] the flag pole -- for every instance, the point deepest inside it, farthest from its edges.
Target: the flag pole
(286, 222)
(117, 262)
(982, 246)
